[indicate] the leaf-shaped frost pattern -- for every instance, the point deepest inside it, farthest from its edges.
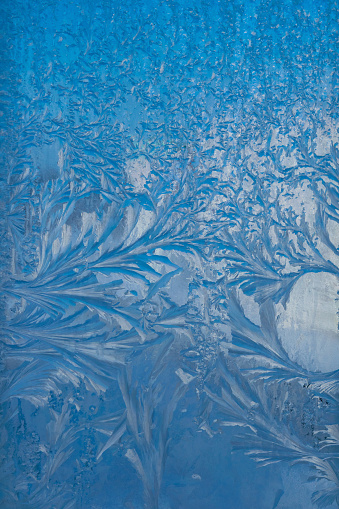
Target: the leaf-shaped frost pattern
(169, 266)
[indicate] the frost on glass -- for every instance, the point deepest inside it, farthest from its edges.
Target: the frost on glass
(169, 263)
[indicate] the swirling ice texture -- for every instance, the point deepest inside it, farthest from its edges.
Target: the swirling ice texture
(169, 231)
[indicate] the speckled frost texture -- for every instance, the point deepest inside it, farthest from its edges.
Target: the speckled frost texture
(169, 264)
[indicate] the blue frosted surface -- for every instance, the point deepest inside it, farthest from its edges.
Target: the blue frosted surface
(169, 265)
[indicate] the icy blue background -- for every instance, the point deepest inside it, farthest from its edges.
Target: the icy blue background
(169, 179)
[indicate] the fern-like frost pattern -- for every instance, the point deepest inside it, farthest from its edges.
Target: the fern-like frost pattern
(169, 267)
